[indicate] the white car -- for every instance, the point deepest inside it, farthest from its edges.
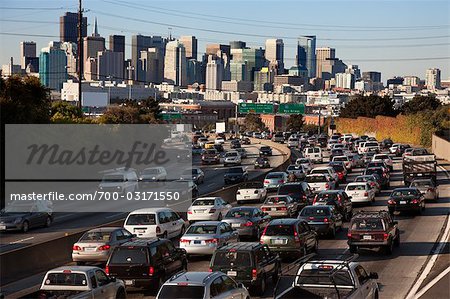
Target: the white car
(292, 142)
(347, 161)
(314, 154)
(208, 208)
(219, 140)
(274, 179)
(326, 170)
(119, 180)
(153, 174)
(251, 191)
(232, 158)
(385, 158)
(394, 148)
(320, 182)
(368, 146)
(155, 222)
(360, 192)
(306, 164)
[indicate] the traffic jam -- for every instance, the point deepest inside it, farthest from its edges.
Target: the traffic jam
(267, 241)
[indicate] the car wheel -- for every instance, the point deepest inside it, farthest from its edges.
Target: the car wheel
(276, 274)
(262, 287)
(332, 233)
(183, 229)
(25, 226)
(353, 249)
(397, 240)
(219, 218)
(389, 248)
(121, 294)
(164, 235)
(48, 221)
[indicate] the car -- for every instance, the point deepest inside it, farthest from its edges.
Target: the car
(257, 135)
(299, 191)
(383, 176)
(328, 170)
(325, 220)
(232, 158)
(280, 206)
(338, 199)
(262, 162)
(331, 143)
(146, 263)
(293, 142)
(341, 171)
(23, 215)
(297, 170)
(219, 147)
(372, 180)
(306, 163)
(204, 237)
(152, 174)
(427, 187)
(278, 137)
(418, 152)
(372, 230)
(80, 282)
(368, 146)
(357, 160)
(248, 221)
(290, 237)
(251, 191)
(202, 141)
(407, 152)
(210, 156)
(196, 149)
(208, 208)
(379, 163)
(360, 192)
(235, 143)
(274, 179)
(96, 244)
(252, 264)
(406, 200)
(265, 151)
(384, 158)
(202, 285)
(235, 175)
(195, 174)
(242, 152)
(336, 152)
(395, 149)
(155, 222)
(348, 163)
(386, 143)
(314, 154)
(184, 156)
(245, 140)
(119, 180)
(181, 189)
(210, 145)
(319, 182)
(219, 140)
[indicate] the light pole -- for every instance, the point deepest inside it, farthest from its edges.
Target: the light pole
(130, 70)
(318, 127)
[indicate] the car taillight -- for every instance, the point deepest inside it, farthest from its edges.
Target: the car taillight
(76, 248)
(366, 193)
(327, 186)
(248, 223)
(212, 211)
(212, 241)
(391, 202)
(325, 219)
(107, 269)
(310, 218)
(385, 236)
(296, 238)
(372, 184)
(184, 241)
(151, 271)
(315, 199)
(262, 235)
(254, 274)
(281, 181)
(266, 181)
(339, 198)
(104, 247)
(282, 209)
(189, 212)
(209, 270)
(349, 235)
(158, 230)
(415, 201)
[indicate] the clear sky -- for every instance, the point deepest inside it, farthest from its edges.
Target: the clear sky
(385, 36)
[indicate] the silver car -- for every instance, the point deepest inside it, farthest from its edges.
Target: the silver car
(204, 237)
(274, 179)
(427, 187)
(297, 170)
(95, 245)
(280, 206)
(202, 285)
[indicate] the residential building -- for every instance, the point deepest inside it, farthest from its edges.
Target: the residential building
(275, 54)
(68, 27)
(411, 81)
(190, 44)
(52, 66)
(233, 85)
(306, 54)
(433, 79)
(175, 64)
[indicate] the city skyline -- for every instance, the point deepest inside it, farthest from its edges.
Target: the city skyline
(371, 47)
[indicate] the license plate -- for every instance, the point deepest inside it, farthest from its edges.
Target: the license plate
(231, 273)
(246, 196)
(403, 202)
(89, 248)
(128, 282)
(139, 231)
(278, 241)
(273, 209)
(2, 227)
(367, 237)
(235, 225)
(197, 242)
(199, 211)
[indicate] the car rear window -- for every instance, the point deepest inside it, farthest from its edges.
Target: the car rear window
(127, 255)
(315, 211)
(203, 202)
(238, 213)
(210, 152)
(202, 229)
(340, 159)
(321, 197)
(113, 178)
(289, 189)
(367, 224)
(234, 154)
(141, 219)
(316, 179)
(322, 277)
(226, 258)
(280, 230)
(96, 236)
(274, 176)
(381, 157)
(374, 170)
(421, 184)
(411, 192)
(150, 171)
(356, 187)
(235, 170)
(371, 144)
(338, 168)
(66, 279)
(276, 200)
(252, 185)
(181, 292)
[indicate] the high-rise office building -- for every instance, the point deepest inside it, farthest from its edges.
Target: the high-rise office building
(411, 81)
(275, 54)
(52, 66)
(93, 44)
(238, 71)
(255, 61)
(175, 70)
(140, 43)
(70, 49)
(237, 44)
(110, 65)
(194, 72)
(433, 78)
(152, 62)
(306, 54)
(214, 73)
(211, 49)
(27, 49)
(372, 76)
(264, 80)
(190, 44)
(117, 43)
(68, 30)
(345, 80)
(354, 69)
(322, 54)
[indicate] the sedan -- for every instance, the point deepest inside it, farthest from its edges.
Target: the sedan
(235, 175)
(406, 199)
(262, 162)
(248, 221)
(296, 170)
(325, 220)
(96, 245)
(307, 164)
(265, 151)
(360, 192)
(251, 191)
(195, 174)
(427, 187)
(320, 182)
(208, 208)
(280, 206)
(204, 237)
(274, 179)
(25, 215)
(371, 179)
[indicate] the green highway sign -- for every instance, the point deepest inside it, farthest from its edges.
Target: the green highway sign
(255, 108)
(171, 116)
(292, 108)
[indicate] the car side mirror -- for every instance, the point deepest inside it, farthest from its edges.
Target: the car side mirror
(112, 279)
(241, 285)
(373, 275)
(133, 235)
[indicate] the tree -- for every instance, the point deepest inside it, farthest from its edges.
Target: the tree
(420, 104)
(253, 122)
(295, 122)
(368, 106)
(64, 112)
(121, 115)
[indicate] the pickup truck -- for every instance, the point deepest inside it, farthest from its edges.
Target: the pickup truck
(329, 279)
(76, 282)
(418, 167)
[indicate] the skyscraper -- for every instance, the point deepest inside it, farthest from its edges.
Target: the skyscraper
(117, 43)
(306, 54)
(214, 73)
(27, 50)
(211, 49)
(237, 44)
(190, 44)
(254, 59)
(238, 71)
(143, 42)
(323, 54)
(52, 66)
(275, 54)
(152, 62)
(92, 45)
(110, 65)
(372, 76)
(433, 79)
(175, 64)
(68, 31)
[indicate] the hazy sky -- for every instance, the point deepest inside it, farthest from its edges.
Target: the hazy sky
(396, 37)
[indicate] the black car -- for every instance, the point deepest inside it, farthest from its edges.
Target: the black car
(265, 151)
(406, 200)
(235, 175)
(252, 264)
(336, 152)
(299, 191)
(262, 162)
(325, 220)
(248, 221)
(146, 263)
(386, 143)
(323, 141)
(337, 198)
(245, 140)
(219, 147)
(235, 143)
(25, 215)
(378, 164)
(382, 174)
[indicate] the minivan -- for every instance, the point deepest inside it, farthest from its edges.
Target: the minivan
(119, 180)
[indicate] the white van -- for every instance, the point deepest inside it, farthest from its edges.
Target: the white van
(119, 180)
(155, 222)
(314, 154)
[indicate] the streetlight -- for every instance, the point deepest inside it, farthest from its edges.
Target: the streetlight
(109, 89)
(130, 69)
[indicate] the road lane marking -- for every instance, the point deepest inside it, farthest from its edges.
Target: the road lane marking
(21, 240)
(115, 215)
(432, 283)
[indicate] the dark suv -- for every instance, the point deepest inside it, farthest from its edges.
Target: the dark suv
(337, 198)
(249, 263)
(299, 191)
(146, 263)
(371, 230)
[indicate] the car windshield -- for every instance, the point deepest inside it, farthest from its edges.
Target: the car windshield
(113, 178)
(293, 167)
(203, 202)
(316, 179)
(210, 152)
(274, 176)
(315, 211)
(66, 279)
(150, 171)
(232, 257)
(96, 236)
(340, 159)
(367, 224)
(129, 255)
(302, 161)
(202, 229)
(318, 171)
(265, 148)
(356, 187)
(239, 213)
(276, 200)
(338, 168)
(410, 192)
(323, 277)
(181, 291)
(280, 230)
(378, 171)
(141, 219)
(422, 184)
(18, 207)
(235, 170)
(363, 179)
(382, 157)
(234, 154)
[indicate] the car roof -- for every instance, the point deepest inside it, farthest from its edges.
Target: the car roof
(150, 210)
(104, 229)
(356, 183)
(283, 221)
(74, 268)
(207, 223)
(194, 278)
(140, 242)
(404, 189)
(240, 246)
